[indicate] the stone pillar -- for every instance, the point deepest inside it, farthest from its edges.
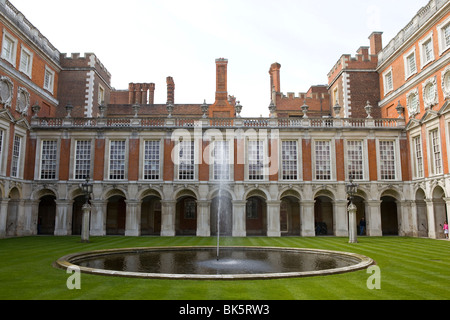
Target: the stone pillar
(133, 218)
(63, 219)
(431, 219)
(273, 219)
(307, 218)
(168, 210)
(203, 218)
(404, 214)
(340, 218)
(98, 217)
(21, 225)
(239, 226)
(3, 216)
(352, 231)
(373, 218)
(85, 222)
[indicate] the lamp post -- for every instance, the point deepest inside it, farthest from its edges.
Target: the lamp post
(352, 189)
(87, 190)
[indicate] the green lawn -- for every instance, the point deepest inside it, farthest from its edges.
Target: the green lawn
(410, 269)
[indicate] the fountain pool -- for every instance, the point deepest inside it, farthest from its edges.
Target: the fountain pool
(202, 262)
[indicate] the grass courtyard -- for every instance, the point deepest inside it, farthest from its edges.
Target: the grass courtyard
(411, 269)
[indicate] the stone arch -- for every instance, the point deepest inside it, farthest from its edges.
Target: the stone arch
(46, 212)
(390, 213)
(290, 212)
(221, 208)
(439, 210)
(186, 211)
(115, 211)
(256, 211)
(259, 192)
(421, 213)
(150, 223)
(155, 192)
(114, 191)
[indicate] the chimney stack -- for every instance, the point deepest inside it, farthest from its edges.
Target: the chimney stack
(221, 79)
(170, 90)
(376, 42)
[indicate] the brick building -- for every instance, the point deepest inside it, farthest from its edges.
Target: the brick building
(162, 169)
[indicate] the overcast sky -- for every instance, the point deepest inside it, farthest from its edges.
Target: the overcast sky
(148, 40)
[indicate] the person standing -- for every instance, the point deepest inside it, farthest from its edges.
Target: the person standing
(445, 227)
(362, 226)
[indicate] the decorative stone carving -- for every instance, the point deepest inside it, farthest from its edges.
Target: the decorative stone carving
(430, 96)
(446, 82)
(6, 91)
(23, 101)
(412, 102)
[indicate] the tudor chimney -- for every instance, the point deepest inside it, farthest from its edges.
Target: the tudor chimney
(170, 90)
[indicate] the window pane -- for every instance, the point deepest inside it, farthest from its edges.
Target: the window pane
(323, 160)
(255, 160)
(289, 160)
(221, 160)
(82, 159)
(355, 160)
(151, 160)
(16, 156)
(435, 143)
(418, 156)
(186, 168)
(387, 159)
(48, 160)
(117, 160)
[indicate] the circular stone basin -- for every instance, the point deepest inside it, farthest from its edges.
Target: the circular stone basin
(202, 263)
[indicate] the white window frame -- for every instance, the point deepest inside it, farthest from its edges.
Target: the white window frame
(413, 106)
(19, 132)
(435, 150)
(293, 164)
(11, 57)
(190, 158)
(50, 84)
(263, 154)
(395, 161)
(408, 72)
(76, 159)
(226, 162)
(125, 159)
(417, 155)
(364, 164)
(49, 161)
(101, 94)
(388, 88)
(423, 60)
(152, 160)
(443, 46)
(29, 66)
(331, 160)
(4, 127)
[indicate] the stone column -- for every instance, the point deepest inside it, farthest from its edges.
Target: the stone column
(168, 210)
(239, 229)
(85, 222)
(3, 216)
(203, 218)
(98, 217)
(63, 219)
(352, 231)
(340, 218)
(373, 218)
(133, 218)
(307, 218)
(431, 219)
(404, 216)
(21, 219)
(273, 219)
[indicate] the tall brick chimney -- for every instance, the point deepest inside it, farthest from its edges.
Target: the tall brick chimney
(376, 42)
(170, 90)
(221, 79)
(221, 107)
(151, 94)
(274, 72)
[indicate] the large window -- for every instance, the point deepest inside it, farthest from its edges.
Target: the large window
(426, 50)
(255, 160)
(436, 164)
(355, 163)
(387, 160)
(117, 160)
(49, 77)
(323, 160)
(48, 159)
(410, 64)
(444, 36)
(289, 160)
(151, 160)
(26, 61)
(388, 81)
(186, 161)
(16, 156)
(82, 159)
(221, 155)
(418, 155)
(9, 48)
